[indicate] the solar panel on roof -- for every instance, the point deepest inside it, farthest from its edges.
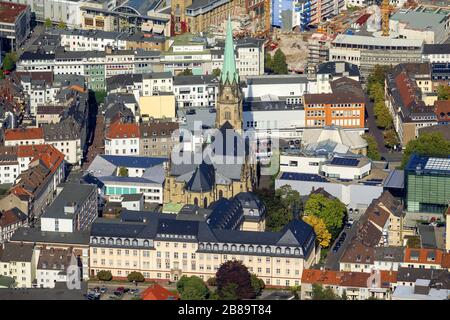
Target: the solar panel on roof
(345, 162)
(302, 177)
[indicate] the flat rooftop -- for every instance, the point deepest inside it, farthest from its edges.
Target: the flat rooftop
(420, 20)
(10, 11)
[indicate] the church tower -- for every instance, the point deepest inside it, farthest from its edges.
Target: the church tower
(229, 100)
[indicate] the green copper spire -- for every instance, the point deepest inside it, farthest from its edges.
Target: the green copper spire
(229, 71)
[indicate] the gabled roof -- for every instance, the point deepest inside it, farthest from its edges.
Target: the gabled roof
(123, 130)
(157, 292)
(11, 216)
(423, 256)
(16, 252)
(203, 179)
(24, 134)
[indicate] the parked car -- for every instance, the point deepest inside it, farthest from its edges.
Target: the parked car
(191, 111)
(92, 296)
(103, 290)
(119, 291)
(126, 290)
(212, 110)
(134, 291)
(336, 248)
(343, 236)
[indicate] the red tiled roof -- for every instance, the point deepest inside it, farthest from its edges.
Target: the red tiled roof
(10, 11)
(442, 110)
(425, 256)
(157, 292)
(123, 130)
(406, 89)
(328, 277)
(388, 277)
(24, 134)
(446, 261)
(8, 217)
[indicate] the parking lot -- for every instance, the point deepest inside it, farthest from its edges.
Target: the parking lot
(333, 256)
(108, 289)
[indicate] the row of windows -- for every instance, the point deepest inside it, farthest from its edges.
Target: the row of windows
(249, 248)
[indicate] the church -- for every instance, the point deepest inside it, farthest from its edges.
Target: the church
(228, 171)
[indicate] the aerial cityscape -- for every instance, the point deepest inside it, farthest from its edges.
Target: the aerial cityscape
(207, 150)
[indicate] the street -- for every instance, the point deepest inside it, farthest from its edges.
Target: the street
(386, 153)
(332, 262)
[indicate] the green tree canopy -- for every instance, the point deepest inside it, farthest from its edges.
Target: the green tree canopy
(280, 206)
(430, 144)
(443, 92)
(192, 288)
(234, 281)
(390, 138)
(62, 25)
(331, 211)
(216, 72)
(9, 61)
(372, 147)
(123, 172)
(257, 284)
(279, 65)
(104, 275)
(320, 293)
(268, 63)
(186, 72)
(48, 23)
(135, 276)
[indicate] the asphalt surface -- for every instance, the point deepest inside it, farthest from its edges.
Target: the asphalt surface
(386, 153)
(332, 261)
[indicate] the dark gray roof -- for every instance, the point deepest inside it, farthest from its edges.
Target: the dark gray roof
(203, 178)
(28, 55)
(297, 233)
(439, 278)
(157, 75)
(226, 214)
(132, 197)
(72, 193)
(389, 254)
(35, 235)
(122, 80)
(443, 48)
(427, 236)
(195, 79)
(330, 68)
(16, 252)
(276, 79)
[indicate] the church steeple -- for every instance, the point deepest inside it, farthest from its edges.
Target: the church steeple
(229, 72)
(229, 100)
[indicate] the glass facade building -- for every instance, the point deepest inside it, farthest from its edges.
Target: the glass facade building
(427, 184)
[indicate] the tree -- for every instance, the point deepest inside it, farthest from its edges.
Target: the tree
(331, 211)
(443, 92)
(384, 120)
(319, 293)
(211, 282)
(48, 23)
(280, 206)
(9, 61)
(104, 275)
(372, 147)
(289, 197)
(62, 25)
(234, 281)
(279, 65)
(192, 288)
(135, 277)
(216, 72)
(344, 295)
(268, 63)
(257, 284)
(378, 75)
(390, 138)
(100, 96)
(123, 172)
(186, 72)
(323, 235)
(430, 144)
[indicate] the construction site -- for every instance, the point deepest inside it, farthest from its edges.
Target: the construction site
(297, 45)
